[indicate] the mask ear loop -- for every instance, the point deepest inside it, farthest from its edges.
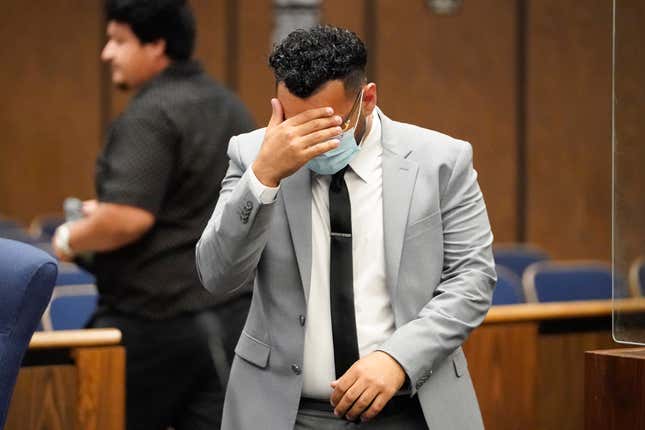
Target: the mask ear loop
(349, 119)
(360, 106)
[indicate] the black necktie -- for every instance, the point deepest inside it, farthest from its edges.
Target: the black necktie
(341, 277)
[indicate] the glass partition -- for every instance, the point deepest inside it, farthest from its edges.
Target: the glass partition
(628, 137)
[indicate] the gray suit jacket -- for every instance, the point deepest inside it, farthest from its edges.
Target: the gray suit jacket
(439, 273)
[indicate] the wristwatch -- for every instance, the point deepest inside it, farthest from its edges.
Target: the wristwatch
(61, 239)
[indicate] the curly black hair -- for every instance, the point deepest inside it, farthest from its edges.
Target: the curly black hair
(151, 20)
(306, 59)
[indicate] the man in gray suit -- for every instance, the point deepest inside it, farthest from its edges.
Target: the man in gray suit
(369, 247)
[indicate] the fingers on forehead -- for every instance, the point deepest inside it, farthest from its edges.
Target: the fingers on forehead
(311, 114)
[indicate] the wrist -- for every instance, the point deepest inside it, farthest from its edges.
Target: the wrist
(398, 369)
(264, 176)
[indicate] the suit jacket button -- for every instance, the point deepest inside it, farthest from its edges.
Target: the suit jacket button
(296, 369)
(302, 320)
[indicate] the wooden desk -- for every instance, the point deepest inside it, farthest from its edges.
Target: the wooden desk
(527, 361)
(615, 389)
(71, 380)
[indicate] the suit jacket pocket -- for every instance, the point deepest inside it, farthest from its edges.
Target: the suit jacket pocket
(253, 350)
(424, 224)
(460, 363)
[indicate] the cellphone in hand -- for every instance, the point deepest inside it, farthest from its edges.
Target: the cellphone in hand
(73, 208)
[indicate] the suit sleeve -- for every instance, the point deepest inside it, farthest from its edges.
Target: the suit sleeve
(462, 299)
(230, 247)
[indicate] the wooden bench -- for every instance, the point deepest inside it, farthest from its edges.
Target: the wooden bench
(527, 361)
(71, 380)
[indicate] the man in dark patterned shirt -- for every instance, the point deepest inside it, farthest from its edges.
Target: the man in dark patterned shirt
(157, 180)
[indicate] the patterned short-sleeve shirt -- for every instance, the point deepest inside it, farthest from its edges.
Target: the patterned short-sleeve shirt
(166, 154)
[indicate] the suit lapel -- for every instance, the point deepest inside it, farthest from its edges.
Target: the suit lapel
(399, 177)
(296, 193)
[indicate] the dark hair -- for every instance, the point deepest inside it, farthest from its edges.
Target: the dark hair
(306, 59)
(151, 20)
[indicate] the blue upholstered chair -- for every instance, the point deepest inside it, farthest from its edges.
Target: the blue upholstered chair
(7, 223)
(558, 281)
(17, 234)
(637, 277)
(27, 277)
(509, 287)
(71, 274)
(73, 301)
(71, 307)
(44, 226)
(518, 256)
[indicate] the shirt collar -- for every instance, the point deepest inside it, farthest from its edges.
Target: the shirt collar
(368, 159)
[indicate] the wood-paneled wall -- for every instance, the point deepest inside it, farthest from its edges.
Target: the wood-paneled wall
(527, 82)
(568, 175)
(440, 73)
(50, 104)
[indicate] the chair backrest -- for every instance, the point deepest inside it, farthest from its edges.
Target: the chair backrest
(18, 234)
(27, 277)
(71, 274)
(73, 301)
(44, 226)
(8, 223)
(637, 277)
(518, 256)
(509, 287)
(71, 307)
(557, 281)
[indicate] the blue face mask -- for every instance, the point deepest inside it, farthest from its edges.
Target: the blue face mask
(335, 159)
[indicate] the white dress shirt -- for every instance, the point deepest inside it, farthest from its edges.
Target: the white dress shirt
(373, 310)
